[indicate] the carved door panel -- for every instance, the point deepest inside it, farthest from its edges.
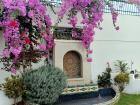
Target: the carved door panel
(72, 64)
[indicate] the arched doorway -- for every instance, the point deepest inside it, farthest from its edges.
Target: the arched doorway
(72, 64)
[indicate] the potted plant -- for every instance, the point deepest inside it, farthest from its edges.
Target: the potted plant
(104, 80)
(122, 78)
(14, 88)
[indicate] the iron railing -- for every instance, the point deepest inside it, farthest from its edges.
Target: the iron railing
(124, 8)
(121, 6)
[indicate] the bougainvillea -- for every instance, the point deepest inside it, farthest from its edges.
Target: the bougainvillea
(137, 2)
(27, 27)
(92, 15)
(27, 32)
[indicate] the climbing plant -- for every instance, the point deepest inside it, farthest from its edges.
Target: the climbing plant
(91, 12)
(26, 27)
(27, 32)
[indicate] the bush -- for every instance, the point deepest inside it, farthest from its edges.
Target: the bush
(44, 85)
(14, 87)
(123, 77)
(104, 80)
(122, 66)
(121, 80)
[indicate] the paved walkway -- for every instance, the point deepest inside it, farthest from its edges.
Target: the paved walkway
(89, 101)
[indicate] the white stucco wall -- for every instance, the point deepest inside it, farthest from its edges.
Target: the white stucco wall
(111, 45)
(134, 86)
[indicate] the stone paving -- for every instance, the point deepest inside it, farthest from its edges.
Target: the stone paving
(90, 101)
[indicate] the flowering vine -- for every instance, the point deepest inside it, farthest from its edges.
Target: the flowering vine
(92, 16)
(26, 30)
(27, 27)
(137, 2)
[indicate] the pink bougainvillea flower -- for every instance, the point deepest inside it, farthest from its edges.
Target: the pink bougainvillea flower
(89, 59)
(7, 3)
(84, 21)
(16, 51)
(22, 10)
(31, 14)
(6, 53)
(134, 1)
(85, 2)
(41, 9)
(114, 16)
(13, 23)
(17, 16)
(49, 40)
(73, 21)
(21, 6)
(48, 20)
(33, 3)
(13, 70)
(89, 51)
(42, 47)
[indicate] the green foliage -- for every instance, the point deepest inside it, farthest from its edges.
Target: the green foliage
(121, 80)
(13, 87)
(129, 99)
(1, 8)
(44, 85)
(104, 80)
(123, 77)
(121, 65)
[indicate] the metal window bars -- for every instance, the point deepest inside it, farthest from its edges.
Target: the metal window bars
(121, 6)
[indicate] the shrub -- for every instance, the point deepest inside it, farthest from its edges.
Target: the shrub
(104, 80)
(44, 85)
(123, 77)
(122, 66)
(14, 87)
(121, 80)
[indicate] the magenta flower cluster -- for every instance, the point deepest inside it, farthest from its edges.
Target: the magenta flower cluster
(25, 24)
(92, 16)
(137, 2)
